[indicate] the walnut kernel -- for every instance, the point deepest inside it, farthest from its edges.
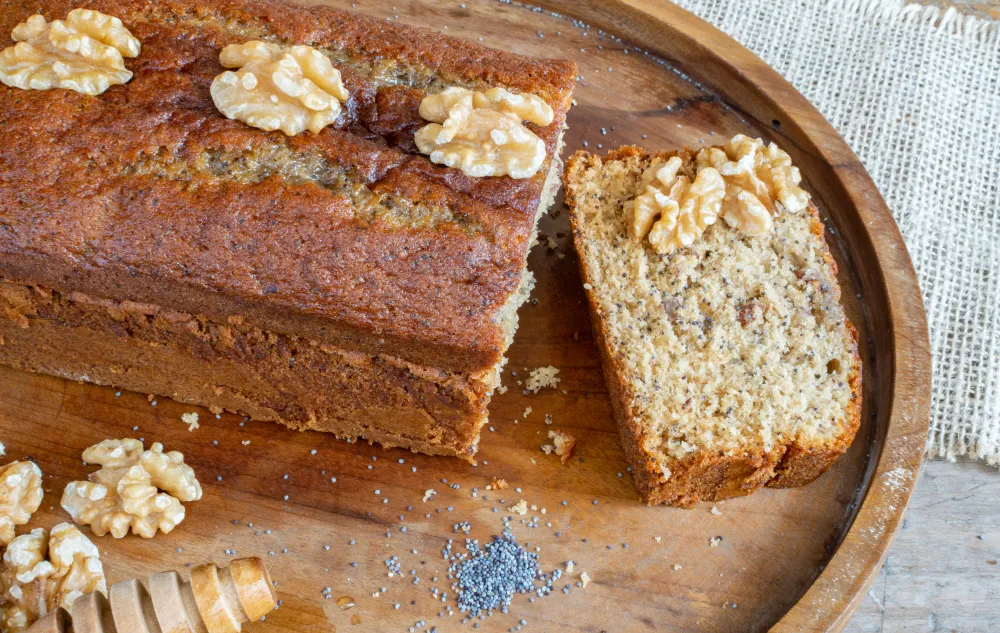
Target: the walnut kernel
(291, 89)
(45, 571)
(20, 495)
(684, 208)
(760, 182)
(125, 493)
(84, 53)
(527, 107)
(481, 133)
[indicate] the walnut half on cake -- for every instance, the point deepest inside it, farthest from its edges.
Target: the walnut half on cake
(714, 298)
(275, 243)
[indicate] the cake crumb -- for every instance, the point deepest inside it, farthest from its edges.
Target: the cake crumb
(501, 390)
(569, 566)
(714, 542)
(497, 484)
(521, 507)
(246, 442)
(584, 579)
(716, 511)
(429, 494)
(677, 567)
(551, 243)
(191, 419)
(527, 412)
(542, 377)
(3, 449)
(657, 538)
(563, 446)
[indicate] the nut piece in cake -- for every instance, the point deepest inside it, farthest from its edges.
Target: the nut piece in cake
(481, 132)
(291, 89)
(125, 493)
(20, 495)
(84, 53)
(760, 182)
(684, 208)
(45, 571)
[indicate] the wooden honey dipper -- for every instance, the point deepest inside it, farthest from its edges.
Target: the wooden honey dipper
(214, 601)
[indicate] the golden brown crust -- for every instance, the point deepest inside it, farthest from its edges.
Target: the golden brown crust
(704, 477)
(144, 192)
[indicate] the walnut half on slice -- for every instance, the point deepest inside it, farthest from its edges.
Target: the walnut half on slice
(126, 492)
(744, 181)
(671, 209)
(83, 53)
(760, 182)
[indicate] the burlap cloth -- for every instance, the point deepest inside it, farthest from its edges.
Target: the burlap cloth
(915, 91)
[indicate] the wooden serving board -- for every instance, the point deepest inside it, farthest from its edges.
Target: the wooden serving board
(788, 560)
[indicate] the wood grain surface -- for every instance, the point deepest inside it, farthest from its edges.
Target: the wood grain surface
(327, 514)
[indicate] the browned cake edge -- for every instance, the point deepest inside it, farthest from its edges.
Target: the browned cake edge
(704, 477)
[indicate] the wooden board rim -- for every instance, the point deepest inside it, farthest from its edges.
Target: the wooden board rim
(748, 84)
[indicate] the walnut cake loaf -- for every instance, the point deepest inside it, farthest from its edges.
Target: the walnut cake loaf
(323, 271)
(715, 305)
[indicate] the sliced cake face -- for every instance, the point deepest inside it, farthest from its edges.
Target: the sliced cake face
(731, 360)
(350, 236)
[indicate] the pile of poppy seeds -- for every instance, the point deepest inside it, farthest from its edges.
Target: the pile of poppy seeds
(487, 578)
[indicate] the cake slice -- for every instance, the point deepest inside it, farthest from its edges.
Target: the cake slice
(727, 354)
(337, 281)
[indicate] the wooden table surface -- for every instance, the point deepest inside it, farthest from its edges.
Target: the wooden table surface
(942, 572)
